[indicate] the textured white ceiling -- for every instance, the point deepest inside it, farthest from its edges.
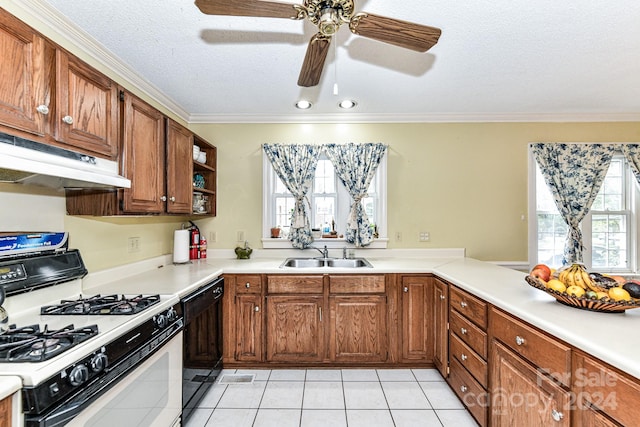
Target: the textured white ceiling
(496, 60)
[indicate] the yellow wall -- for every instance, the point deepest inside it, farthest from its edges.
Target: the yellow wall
(465, 183)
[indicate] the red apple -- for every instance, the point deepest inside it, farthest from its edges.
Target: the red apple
(541, 271)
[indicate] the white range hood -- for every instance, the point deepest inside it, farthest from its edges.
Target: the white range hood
(28, 162)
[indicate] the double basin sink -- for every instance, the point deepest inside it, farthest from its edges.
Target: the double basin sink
(326, 262)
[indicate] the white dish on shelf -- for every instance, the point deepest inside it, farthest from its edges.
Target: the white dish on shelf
(202, 157)
(196, 152)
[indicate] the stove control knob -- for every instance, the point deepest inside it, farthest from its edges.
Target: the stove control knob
(99, 362)
(172, 315)
(161, 321)
(78, 375)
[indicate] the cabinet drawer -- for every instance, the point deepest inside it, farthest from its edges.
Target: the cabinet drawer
(248, 284)
(543, 351)
(294, 284)
(469, 333)
(610, 391)
(368, 284)
(469, 391)
(468, 358)
(472, 308)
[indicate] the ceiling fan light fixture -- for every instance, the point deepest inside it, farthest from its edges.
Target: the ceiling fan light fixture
(347, 104)
(303, 104)
(329, 21)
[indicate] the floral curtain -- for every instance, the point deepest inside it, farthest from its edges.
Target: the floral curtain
(296, 165)
(632, 154)
(574, 174)
(356, 165)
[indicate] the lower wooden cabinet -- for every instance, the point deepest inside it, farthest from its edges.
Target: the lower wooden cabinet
(249, 329)
(5, 411)
(295, 328)
(521, 395)
(441, 326)
(417, 307)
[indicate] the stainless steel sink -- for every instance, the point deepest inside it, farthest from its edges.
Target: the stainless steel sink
(348, 263)
(326, 262)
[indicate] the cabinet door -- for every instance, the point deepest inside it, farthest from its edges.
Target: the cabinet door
(417, 318)
(23, 77)
(295, 331)
(358, 328)
(441, 326)
(521, 395)
(143, 157)
(179, 168)
(86, 107)
(588, 416)
(248, 328)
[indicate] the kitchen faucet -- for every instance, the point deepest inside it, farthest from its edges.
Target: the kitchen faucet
(324, 252)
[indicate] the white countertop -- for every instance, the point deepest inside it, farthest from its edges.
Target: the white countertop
(9, 385)
(610, 337)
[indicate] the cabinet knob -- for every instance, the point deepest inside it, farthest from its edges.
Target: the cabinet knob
(557, 416)
(247, 285)
(405, 289)
(519, 340)
(463, 357)
(173, 199)
(463, 331)
(463, 304)
(163, 198)
(68, 120)
(256, 309)
(442, 297)
(42, 109)
(463, 388)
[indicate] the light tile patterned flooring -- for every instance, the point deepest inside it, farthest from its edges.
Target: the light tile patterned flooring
(333, 398)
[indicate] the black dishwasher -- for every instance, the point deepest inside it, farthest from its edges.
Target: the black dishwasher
(202, 352)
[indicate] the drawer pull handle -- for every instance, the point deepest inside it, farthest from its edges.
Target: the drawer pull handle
(463, 331)
(519, 340)
(248, 285)
(256, 309)
(557, 416)
(463, 388)
(463, 304)
(463, 357)
(42, 109)
(442, 297)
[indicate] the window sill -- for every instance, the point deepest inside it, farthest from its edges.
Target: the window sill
(280, 243)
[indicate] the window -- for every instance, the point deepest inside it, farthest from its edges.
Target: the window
(329, 200)
(608, 234)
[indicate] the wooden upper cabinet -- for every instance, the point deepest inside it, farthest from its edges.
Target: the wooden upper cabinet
(86, 114)
(179, 168)
(143, 156)
(25, 92)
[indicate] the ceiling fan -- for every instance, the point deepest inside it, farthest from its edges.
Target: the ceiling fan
(328, 15)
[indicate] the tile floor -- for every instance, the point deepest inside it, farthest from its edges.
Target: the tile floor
(332, 397)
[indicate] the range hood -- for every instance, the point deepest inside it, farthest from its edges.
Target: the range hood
(29, 162)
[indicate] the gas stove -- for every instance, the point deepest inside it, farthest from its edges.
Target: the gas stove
(67, 362)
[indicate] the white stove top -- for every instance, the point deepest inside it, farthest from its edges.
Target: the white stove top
(24, 310)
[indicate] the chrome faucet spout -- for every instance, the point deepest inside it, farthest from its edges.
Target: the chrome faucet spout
(324, 252)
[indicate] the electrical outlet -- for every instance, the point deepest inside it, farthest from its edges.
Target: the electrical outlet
(424, 236)
(213, 236)
(241, 236)
(133, 244)
(398, 236)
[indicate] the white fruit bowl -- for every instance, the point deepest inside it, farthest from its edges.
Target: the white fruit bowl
(601, 305)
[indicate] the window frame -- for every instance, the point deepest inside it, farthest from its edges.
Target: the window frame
(632, 194)
(342, 210)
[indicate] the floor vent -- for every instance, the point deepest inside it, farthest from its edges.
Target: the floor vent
(237, 379)
(203, 379)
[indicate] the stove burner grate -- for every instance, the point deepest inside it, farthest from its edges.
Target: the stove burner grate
(98, 304)
(30, 344)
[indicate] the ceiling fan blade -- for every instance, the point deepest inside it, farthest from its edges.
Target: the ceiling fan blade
(266, 9)
(314, 60)
(394, 31)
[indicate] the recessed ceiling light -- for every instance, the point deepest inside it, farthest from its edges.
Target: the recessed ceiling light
(347, 103)
(303, 104)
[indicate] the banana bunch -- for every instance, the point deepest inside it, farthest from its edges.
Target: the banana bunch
(577, 275)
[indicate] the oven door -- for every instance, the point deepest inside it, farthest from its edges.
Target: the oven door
(149, 395)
